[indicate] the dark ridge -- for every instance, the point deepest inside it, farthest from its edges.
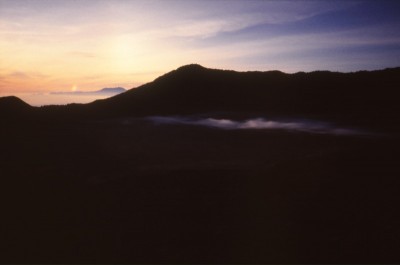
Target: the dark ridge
(15, 111)
(191, 67)
(12, 103)
(10, 106)
(365, 98)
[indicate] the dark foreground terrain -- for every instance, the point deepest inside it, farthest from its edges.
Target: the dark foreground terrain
(138, 192)
(108, 182)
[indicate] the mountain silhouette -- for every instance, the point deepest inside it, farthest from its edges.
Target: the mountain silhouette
(13, 109)
(365, 98)
(112, 90)
(13, 103)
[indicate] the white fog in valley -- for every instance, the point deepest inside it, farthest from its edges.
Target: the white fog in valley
(309, 126)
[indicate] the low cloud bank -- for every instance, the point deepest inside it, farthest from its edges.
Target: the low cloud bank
(259, 123)
(108, 90)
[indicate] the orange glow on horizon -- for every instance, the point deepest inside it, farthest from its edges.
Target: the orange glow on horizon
(47, 46)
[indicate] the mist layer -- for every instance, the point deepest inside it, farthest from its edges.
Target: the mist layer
(258, 124)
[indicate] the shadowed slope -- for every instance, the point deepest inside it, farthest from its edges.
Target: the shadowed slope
(363, 97)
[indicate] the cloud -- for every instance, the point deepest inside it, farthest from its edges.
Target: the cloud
(71, 39)
(104, 91)
(259, 124)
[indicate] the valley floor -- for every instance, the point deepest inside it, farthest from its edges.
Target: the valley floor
(138, 192)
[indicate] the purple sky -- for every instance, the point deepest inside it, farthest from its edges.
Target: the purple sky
(64, 45)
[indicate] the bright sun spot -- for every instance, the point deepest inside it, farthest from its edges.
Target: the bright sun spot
(74, 88)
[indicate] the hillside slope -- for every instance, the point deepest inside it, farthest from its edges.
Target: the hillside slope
(363, 97)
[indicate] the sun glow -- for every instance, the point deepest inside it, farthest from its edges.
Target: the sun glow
(43, 47)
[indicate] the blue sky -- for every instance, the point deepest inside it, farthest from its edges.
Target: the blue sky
(58, 45)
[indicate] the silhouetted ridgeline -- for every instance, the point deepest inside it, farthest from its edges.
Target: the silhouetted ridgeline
(366, 97)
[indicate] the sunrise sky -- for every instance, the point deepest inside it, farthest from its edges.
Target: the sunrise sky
(65, 45)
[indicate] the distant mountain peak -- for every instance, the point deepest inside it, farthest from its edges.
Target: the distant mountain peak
(112, 90)
(107, 90)
(191, 67)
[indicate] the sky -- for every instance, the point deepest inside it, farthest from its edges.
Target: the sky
(77, 45)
